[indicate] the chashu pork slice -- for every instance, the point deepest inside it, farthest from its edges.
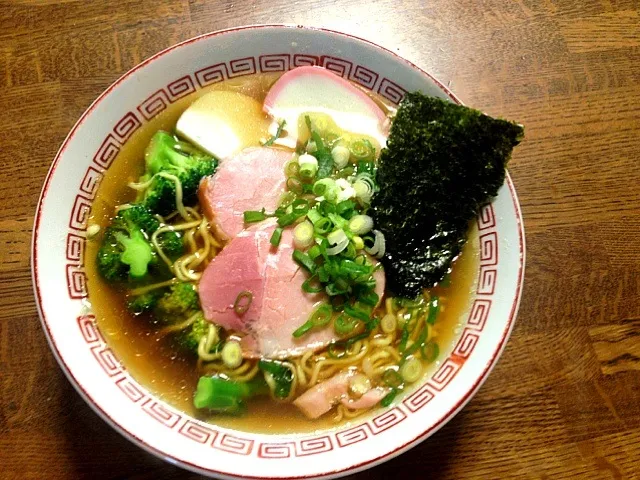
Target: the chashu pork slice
(251, 180)
(279, 305)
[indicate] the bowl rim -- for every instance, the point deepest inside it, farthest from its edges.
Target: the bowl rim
(130, 435)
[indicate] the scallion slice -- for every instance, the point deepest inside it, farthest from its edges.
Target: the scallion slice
(276, 236)
(391, 378)
(344, 325)
(430, 351)
(292, 168)
(311, 285)
(360, 224)
(294, 185)
(243, 302)
(318, 319)
(323, 226)
(411, 370)
(362, 149)
(326, 188)
(304, 260)
(340, 155)
(303, 235)
(253, 216)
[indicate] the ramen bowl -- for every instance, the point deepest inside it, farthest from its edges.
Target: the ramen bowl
(94, 368)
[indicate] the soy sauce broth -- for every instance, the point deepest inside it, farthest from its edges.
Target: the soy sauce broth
(172, 375)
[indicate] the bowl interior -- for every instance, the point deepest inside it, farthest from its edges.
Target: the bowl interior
(60, 282)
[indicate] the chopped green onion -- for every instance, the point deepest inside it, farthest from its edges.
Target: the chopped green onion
(304, 260)
(351, 267)
(430, 351)
(323, 226)
(389, 323)
(344, 325)
(379, 245)
(294, 185)
(276, 236)
(303, 235)
(243, 302)
(269, 142)
(392, 378)
(364, 187)
(431, 318)
(325, 187)
(345, 208)
(411, 370)
(340, 155)
(389, 397)
(357, 313)
(370, 298)
(338, 221)
(232, 354)
(319, 318)
(434, 308)
(360, 224)
(362, 150)
(367, 167)
(253, 216)
(292, 168)
(311, 147)
(286, 198)
(314, 252)
(338, 241)
(288, 219)
(350, 251)
(358, 243)
(308, 166)
(300, 207)
(308, 285)
(314, 216)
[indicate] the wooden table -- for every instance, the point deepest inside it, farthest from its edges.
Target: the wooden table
(564, 400)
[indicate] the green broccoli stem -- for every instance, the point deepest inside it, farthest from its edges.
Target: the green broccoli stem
(221, 395)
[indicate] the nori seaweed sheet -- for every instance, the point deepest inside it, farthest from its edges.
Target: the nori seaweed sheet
(442, 163)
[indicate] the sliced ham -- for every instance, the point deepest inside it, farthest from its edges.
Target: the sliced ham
(279, 305)
(321, 398)
(251, 180)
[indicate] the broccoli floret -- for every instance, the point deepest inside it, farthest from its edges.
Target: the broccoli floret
(125, 252)
(180, 301)
(167, 154)
(189, 338)
(145, 302)
(171, 244)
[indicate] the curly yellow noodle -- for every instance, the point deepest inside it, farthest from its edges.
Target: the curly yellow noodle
(148, 288)
(176, 328)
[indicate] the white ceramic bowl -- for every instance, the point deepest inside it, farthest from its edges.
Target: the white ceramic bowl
(92, 367)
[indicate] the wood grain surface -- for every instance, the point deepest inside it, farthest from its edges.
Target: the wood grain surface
(564, 400)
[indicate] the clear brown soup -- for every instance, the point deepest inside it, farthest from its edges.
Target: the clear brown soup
(168, 373)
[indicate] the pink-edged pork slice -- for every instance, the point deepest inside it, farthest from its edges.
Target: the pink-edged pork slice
(279, 305)
(251, 180)
(322, 397)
